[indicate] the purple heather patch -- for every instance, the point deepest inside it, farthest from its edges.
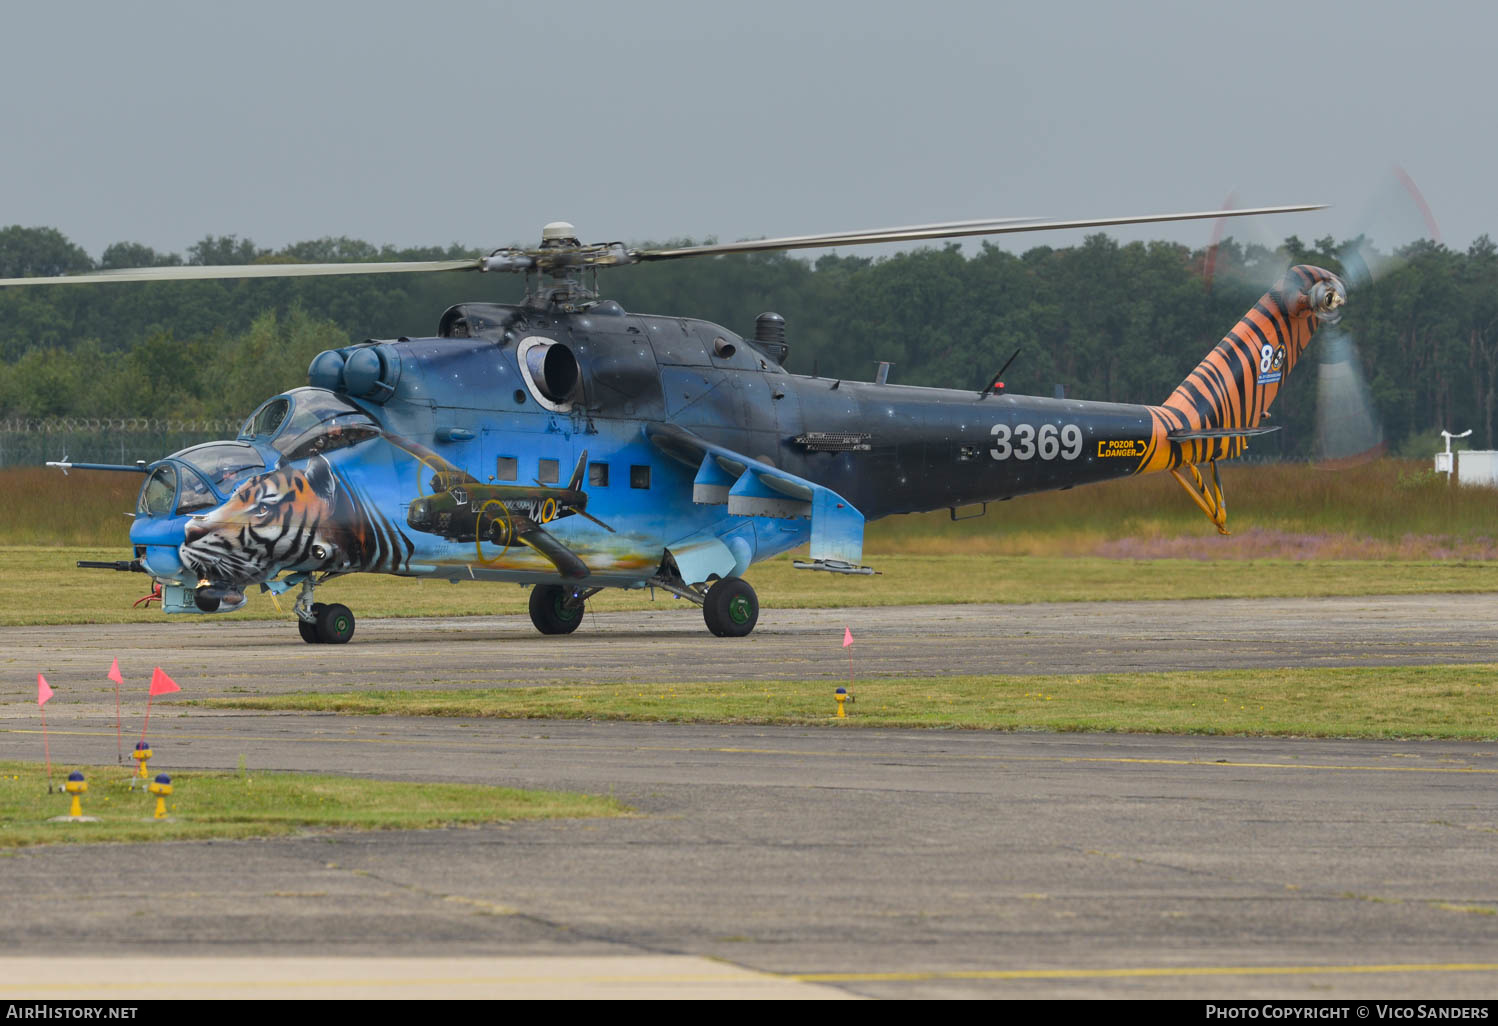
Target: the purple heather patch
(1258, 543)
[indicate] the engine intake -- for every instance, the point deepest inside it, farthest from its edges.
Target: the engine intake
(551, 371)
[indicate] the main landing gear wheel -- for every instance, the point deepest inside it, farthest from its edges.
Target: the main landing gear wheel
(335, 624)
(550, 612)
(308, 631)
(731, 608)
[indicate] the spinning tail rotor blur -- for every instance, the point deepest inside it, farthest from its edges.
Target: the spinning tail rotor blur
(1348, 430)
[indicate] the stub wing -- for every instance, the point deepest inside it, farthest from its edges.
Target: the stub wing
(750, 488)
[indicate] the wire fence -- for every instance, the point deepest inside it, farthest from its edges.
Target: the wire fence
(64, 425)
(103, 439)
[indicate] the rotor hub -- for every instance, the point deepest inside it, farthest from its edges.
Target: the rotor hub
(559, 233)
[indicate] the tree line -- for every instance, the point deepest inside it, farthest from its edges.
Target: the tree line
(1100, 319)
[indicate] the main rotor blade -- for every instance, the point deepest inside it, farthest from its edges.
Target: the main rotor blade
(947, 230)
(878, 234)
(614, 254)
(189, 273)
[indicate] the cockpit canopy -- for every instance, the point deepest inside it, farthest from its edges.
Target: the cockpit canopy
(297, 425)
(198, 478)
(308, 421)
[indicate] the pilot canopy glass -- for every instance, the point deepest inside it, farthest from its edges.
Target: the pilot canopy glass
(159, 491)
(308, 421)
(195, 495)
(197, 479)
(224, 464)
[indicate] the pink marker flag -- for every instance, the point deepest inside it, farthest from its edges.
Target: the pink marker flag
(848, 644)
(44, 692)
(161, 684)
(119, 739)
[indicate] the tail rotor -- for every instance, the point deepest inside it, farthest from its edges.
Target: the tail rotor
(1348, 430)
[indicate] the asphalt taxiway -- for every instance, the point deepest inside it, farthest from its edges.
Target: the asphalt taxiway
(671, 644)
(813, 861)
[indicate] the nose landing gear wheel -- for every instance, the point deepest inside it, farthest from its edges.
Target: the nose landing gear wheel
(335, 624)
(549, 611)
(731, 608)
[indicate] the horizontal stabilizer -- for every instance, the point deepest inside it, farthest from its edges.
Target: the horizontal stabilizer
(1181, 436)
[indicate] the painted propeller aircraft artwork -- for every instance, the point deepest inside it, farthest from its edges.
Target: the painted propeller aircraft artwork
(565, 443)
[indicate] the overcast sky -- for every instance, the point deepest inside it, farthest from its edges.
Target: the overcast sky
(462, 121)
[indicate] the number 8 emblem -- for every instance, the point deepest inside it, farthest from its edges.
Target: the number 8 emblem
(1266, 358)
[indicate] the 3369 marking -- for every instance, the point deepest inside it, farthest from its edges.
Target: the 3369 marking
(1026, 442)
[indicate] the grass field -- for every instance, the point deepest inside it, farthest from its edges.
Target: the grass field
(253, 804)
(1390, 509)
(1452, 702)
(42, 586)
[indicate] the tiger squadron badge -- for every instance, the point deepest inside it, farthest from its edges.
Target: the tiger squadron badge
(1271, 364)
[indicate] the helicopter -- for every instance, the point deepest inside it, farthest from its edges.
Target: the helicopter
(694, 453)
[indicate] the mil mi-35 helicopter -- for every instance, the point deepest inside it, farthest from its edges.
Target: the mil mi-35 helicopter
(694, 453)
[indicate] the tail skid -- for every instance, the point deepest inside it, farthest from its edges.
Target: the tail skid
(1209, 499)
